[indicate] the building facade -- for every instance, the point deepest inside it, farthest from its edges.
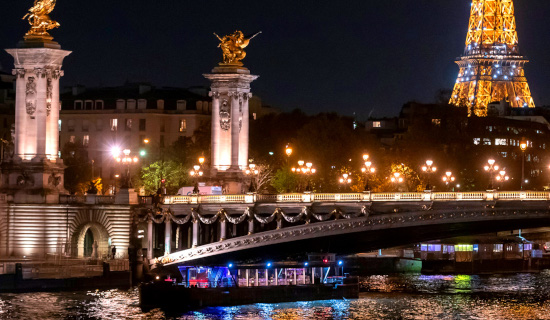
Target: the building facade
(137, 117)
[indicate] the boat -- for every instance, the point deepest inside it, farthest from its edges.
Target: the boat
(195, 287)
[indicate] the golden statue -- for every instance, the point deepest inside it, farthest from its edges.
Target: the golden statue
(40, 21)
(233, 47)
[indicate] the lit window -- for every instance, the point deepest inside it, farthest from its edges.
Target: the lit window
(85, 125)
(59, 125)
(486, 141)
(114, 124)
(86, 140)
(70, 125)
(434, 247)
(497, 248)
(72, 139)
(436, 122)
(183, 125)
(128, 126)
(477, 141)
(501, 142)
(376, 124)
(464, 247)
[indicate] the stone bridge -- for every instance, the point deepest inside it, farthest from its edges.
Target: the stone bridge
(222, 228)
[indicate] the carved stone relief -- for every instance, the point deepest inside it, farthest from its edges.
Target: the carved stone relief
(49, 94)
(225, 115)
(31, 96)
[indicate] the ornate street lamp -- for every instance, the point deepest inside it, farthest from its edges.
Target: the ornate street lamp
(428, 168)
(523, 147)
(502, 177)
(396, 178)
(252, 172)
(367, 170)
(126, 160)
(305, 169)
(345, 179)
(491, 167)
(196, 173)
(448, 178)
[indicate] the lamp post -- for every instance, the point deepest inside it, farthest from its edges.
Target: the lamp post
(288, 151)
(448, 178)
(491, 167)
(345, 179)
(396, 178)
(428, 168)
(305, 169)
(523, 147)
(367, 169)
(196, 173)
(502, 177)
(252, 172)
(127, 160)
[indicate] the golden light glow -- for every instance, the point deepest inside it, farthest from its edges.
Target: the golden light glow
(523, 146)
(233, 47)
(491, 69)
(288, 151)
(40, 21)
(201, 160)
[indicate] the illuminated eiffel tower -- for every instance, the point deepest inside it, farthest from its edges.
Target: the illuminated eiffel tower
(491, 68)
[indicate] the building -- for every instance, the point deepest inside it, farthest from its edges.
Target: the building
(133, 116)
(449, 136)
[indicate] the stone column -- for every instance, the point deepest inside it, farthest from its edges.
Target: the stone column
(248, 277)
(267, 277)
(256, 283)
(149, 239)
(52, 142)
(276, 277)
(243, 134)
(195, 232)
(215, 139)
(40, 115)
(167, 235)
(20, 113)
(304, 274)
(235, 127)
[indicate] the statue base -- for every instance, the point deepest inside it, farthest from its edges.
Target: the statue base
(231, 181)
(232, 68)
(38, 42)
(33, 181)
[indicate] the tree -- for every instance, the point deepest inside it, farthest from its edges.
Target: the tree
(176, 176)
(78, 172)
(284, 180)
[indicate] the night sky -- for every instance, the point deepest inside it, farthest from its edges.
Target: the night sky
(345, 56)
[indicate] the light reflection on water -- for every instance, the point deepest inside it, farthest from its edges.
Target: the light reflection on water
(516, 296)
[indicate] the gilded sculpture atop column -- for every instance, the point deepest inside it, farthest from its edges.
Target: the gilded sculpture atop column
(40, 21)
(233, 47)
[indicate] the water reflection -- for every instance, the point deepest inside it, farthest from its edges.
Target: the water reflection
(519, 296)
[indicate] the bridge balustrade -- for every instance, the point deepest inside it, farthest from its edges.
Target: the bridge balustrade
(365, 196)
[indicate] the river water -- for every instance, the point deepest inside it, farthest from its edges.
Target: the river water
(410, 296)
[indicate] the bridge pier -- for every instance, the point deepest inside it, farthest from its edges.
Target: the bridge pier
(195, 233)
(250, 226)
(223, 230)
(167, 236)
(150, 239)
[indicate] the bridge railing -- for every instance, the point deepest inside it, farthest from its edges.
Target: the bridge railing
(359, 197)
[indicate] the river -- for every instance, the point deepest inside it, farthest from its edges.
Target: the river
(409, 296)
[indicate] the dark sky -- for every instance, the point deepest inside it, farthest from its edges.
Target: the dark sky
(345, 56)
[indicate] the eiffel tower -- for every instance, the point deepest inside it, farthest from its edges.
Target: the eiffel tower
(491, 68)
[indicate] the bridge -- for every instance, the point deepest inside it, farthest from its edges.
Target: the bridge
(224, 228)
